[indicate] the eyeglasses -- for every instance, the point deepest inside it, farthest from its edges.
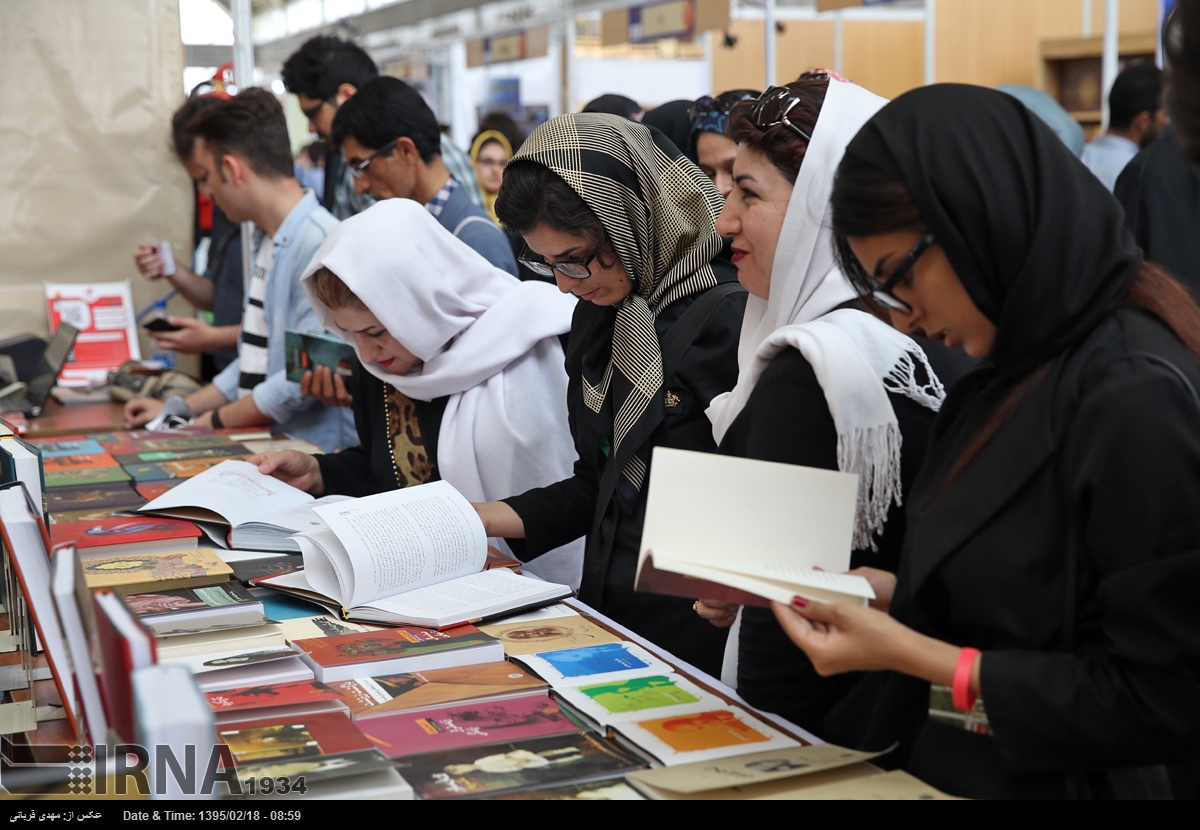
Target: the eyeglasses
(772, 108)
(575, 269)
(311, 112)
(883, 293)
(357, 170)
(706, 105)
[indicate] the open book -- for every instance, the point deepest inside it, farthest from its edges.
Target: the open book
(746, 531)
(415, 556)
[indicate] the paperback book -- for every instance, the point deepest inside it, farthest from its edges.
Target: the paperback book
(307, 736)
(307, 350)
(127, 534)
(396, 650)
(467, 724)
(548, 635)
(638, 698)
(139, 573)
(605, 663)
(281, 700)
(101, 496)
(372, 697)
(701, 736)
(193, 610)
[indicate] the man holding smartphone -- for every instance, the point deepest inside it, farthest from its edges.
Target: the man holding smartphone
(246, 167)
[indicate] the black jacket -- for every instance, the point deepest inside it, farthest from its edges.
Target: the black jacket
(368, 468)
(564, 511)
(1068, 551)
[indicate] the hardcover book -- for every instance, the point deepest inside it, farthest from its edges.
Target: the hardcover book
(557, 760)
(138, 573)
(394, 650)
(131, 534)
(370, 697)
(467, 724)
(307, 736)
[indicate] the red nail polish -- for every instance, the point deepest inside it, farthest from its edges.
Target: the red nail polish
(799, 602)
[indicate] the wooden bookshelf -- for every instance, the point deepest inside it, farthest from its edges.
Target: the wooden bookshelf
(1070, 71)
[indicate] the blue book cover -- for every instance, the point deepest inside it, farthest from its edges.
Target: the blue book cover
(590, 660)
(86, 446)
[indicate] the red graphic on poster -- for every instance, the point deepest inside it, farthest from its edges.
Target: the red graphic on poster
(103, 313)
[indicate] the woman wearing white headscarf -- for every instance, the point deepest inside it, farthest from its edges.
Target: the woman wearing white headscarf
(464, 377)
(822, 382)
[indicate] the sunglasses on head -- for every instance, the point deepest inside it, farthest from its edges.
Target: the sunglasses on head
(772, 108)
(706, 105)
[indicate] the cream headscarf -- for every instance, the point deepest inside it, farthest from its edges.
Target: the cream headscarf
(486, 340)
(857, 359)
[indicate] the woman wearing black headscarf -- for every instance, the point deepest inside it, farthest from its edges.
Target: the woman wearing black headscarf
(1046, 587)
(618, 216)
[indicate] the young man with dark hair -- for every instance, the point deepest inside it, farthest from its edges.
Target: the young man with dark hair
(392, 146)
(324, 74)
(1136, 118)
(245, 166)
(219, 289)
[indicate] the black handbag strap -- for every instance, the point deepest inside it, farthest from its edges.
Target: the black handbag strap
(675, 344)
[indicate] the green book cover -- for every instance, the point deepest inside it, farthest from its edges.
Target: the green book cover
(306, 350)
(93, 475)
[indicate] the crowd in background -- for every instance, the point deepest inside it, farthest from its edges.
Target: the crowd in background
(949, 295)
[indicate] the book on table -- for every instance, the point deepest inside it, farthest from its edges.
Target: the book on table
(747, 531)
(127, 534)
(74, 604)
(136, 573)
(468, 724)
(700, 736)
(26, 542)
(396, 650)
(410, 556)
(123, 645)
(193, 610)
(372, 697)
(603, 663)
(602, 705)
(280, 700)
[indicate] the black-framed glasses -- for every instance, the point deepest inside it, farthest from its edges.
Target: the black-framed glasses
(883, 293)
(357, 170)
(772, 108)
(576, 269)
(311, 112)
(706, 105)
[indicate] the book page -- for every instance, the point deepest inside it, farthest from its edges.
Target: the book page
(234, 490)
(738, 510)
(406, 539)
(467, 597)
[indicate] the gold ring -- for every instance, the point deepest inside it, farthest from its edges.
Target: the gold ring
(696, 606)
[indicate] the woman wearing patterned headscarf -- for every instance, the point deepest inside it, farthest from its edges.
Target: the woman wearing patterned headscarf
(621, 219)
(1043, 639)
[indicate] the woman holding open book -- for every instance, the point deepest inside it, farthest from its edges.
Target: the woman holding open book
(462, 368)
(821, 382)
(617, 216)
(1044, 634)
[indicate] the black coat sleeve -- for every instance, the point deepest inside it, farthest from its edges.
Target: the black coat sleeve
(1128, 694)
(349, 472)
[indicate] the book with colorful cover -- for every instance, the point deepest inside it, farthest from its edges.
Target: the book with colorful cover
(363, 765)
(396, 650)
(138, 573)
(85, 476)
(248, 570)
(157, 441)
(701, 736)
(604, 663)
(77, 461)
(467, 724)
(191, 610)
(307, 350)
(93, 497)
(371, 697)
(88, 515)
(537, 763)
(281, 700)
(152, 490)
(638, 698)
(305, 736)
(151, 456)
(131, 533)
(80, 445)
(548, 635)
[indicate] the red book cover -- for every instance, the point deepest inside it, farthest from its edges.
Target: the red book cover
(152, 490)
(117, 660)
(261, 697)
(296, 737)
(121, 530)
(388, 644)
(474, 724)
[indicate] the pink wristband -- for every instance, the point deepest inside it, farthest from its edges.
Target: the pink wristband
(961, 695)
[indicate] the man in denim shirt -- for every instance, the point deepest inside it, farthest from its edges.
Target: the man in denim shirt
(242, 147)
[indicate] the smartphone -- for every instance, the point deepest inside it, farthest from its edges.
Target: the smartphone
(160, 324)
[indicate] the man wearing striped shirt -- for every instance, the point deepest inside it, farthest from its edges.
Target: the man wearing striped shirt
(242, 147)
